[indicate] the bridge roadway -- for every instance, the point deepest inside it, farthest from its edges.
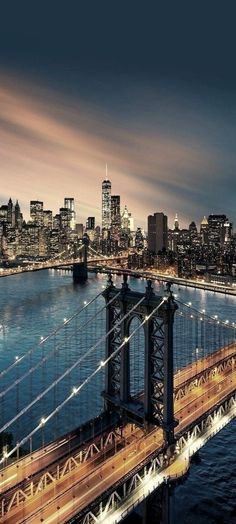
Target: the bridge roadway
(65, 497)
(99, 262)
(29, 465)
(54, 264)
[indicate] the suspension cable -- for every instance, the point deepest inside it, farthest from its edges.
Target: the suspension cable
(58, 379)
(42, 361)
(76, 390)
(48, 337)
(48, 355)
(215, 319)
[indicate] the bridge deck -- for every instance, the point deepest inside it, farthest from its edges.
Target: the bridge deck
(79, 488)
(201, 365)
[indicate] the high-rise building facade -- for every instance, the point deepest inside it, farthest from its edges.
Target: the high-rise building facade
(216, 229)
(106, 204)
(157, 232)
(125, 220)
(90, 223)
(69, 203)
(65, 218)
(115, 210)
(36, 212)
(204, 230)
(18, 218)
(47, 219)
(10, 212)
(176, 222)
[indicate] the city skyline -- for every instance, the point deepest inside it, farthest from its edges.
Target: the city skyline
(58, 157)
(117, 210)
(157, 105)
(171, 221)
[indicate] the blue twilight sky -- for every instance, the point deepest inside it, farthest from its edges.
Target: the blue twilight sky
(150, 90)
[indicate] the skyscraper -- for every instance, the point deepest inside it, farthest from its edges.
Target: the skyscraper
(106, 204)
(65, 218)
(115, 210)
(36, 212)
(10, 212)
(176, 222)
(18, 216)
(157, 232)
(47, 219)
(69, 203)
(216, 229)
(204, 230)
(90, 223)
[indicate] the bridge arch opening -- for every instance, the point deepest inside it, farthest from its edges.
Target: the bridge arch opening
(136, 356)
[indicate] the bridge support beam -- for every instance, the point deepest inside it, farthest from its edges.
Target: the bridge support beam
(154, 405)
(169, 421)
(80, 269)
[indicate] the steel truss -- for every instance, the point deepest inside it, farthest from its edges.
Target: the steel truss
(205, 375)
(132, 490)
(106, 442)
(155, 406)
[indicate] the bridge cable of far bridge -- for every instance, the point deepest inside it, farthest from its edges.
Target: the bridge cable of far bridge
(77, 389)
(94, 252)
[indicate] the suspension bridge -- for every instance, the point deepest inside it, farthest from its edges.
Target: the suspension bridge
(142, 381)
(79, 260)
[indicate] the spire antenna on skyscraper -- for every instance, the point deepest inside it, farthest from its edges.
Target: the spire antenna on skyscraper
(106, 171)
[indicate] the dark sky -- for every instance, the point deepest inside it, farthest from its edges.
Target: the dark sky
(147, 86)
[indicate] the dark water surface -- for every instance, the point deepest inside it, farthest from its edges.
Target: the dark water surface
(31, 306)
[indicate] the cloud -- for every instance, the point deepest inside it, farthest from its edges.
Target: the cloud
(53, 145)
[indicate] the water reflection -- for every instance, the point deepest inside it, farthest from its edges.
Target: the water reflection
(33, 304)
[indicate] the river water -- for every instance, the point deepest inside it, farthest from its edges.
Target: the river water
(32, 306)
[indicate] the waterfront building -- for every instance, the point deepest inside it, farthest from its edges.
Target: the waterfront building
(30, 240)
(157, 232)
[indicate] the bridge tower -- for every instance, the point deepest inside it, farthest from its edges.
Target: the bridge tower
(156, 404)
(80, 269)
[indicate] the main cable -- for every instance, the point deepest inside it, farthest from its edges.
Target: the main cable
(76, 390)
(45, 339)
(53, 384)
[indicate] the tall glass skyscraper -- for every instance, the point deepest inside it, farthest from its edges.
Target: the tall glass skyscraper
(106, 204)
(36, 212)
(69, 203)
